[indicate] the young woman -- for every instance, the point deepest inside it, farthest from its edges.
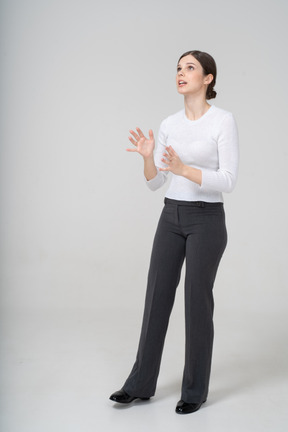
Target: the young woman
(199, 146)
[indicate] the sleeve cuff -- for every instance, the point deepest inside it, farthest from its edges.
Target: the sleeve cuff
(157, 181)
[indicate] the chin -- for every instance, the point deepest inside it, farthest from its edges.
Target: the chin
(181, 90)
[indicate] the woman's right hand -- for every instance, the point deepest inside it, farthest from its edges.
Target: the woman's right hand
(144, 146)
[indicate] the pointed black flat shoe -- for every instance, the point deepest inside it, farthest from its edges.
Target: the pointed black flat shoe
(121, 396)
(187, 408)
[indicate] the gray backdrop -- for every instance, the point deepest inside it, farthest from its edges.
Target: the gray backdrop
(77, 220)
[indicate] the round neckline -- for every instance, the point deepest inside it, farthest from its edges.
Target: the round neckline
(200, 118)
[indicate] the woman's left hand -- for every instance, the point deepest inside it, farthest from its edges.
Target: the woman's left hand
(173, 162)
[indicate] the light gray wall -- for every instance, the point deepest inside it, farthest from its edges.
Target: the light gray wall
(77, 220)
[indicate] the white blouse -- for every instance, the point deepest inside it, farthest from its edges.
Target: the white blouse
(210, 144)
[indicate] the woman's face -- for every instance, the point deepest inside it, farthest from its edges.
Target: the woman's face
(190, 78)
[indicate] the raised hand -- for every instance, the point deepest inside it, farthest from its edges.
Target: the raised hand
(173, 162)
(144, 146)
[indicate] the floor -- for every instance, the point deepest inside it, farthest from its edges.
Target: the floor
(60, 366)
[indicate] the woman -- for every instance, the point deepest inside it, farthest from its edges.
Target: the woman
(199, 146)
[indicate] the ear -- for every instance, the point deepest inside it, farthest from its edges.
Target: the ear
(208, 79)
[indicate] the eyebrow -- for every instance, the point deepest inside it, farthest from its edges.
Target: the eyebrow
(188, 64)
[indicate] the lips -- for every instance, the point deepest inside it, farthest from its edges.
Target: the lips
(181, 83)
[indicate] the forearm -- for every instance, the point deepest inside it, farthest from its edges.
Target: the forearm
(193, 174)
(150, 170)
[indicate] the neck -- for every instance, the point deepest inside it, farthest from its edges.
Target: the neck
(195, 107)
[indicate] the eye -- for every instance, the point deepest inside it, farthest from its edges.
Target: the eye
(178, 68)
(191, 67)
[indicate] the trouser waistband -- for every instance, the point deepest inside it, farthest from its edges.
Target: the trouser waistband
(192, 203)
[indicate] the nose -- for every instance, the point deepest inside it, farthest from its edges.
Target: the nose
(180, 72)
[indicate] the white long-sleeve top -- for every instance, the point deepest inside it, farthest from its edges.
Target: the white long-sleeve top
(209, 144)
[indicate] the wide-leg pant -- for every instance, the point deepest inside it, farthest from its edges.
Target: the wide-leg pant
(195, 231)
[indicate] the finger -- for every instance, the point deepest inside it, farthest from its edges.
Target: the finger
(168, 151)
(164, 169)
(134, 135)
(168, 157)
(132, 141)
(172, 151)
(166, 161)
(140, 132)
(151, 135)
(131, 150)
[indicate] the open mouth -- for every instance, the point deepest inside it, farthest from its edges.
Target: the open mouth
(181, 83)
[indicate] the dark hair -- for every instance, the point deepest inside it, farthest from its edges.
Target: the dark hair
(209, 67)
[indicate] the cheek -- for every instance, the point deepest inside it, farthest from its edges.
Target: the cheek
(199, 78)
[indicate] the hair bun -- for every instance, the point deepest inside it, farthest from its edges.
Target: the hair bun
(211, 94)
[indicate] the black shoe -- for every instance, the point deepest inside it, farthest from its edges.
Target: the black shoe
(121, 396)
(187, 408)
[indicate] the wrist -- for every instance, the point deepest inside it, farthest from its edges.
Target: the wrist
(193, 174)
(149, 158)
(185, 170)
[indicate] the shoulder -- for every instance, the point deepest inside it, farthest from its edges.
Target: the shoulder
(220, 113)
(223, 119)
(224, 126)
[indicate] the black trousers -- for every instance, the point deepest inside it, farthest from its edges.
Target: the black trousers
(194, 231)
